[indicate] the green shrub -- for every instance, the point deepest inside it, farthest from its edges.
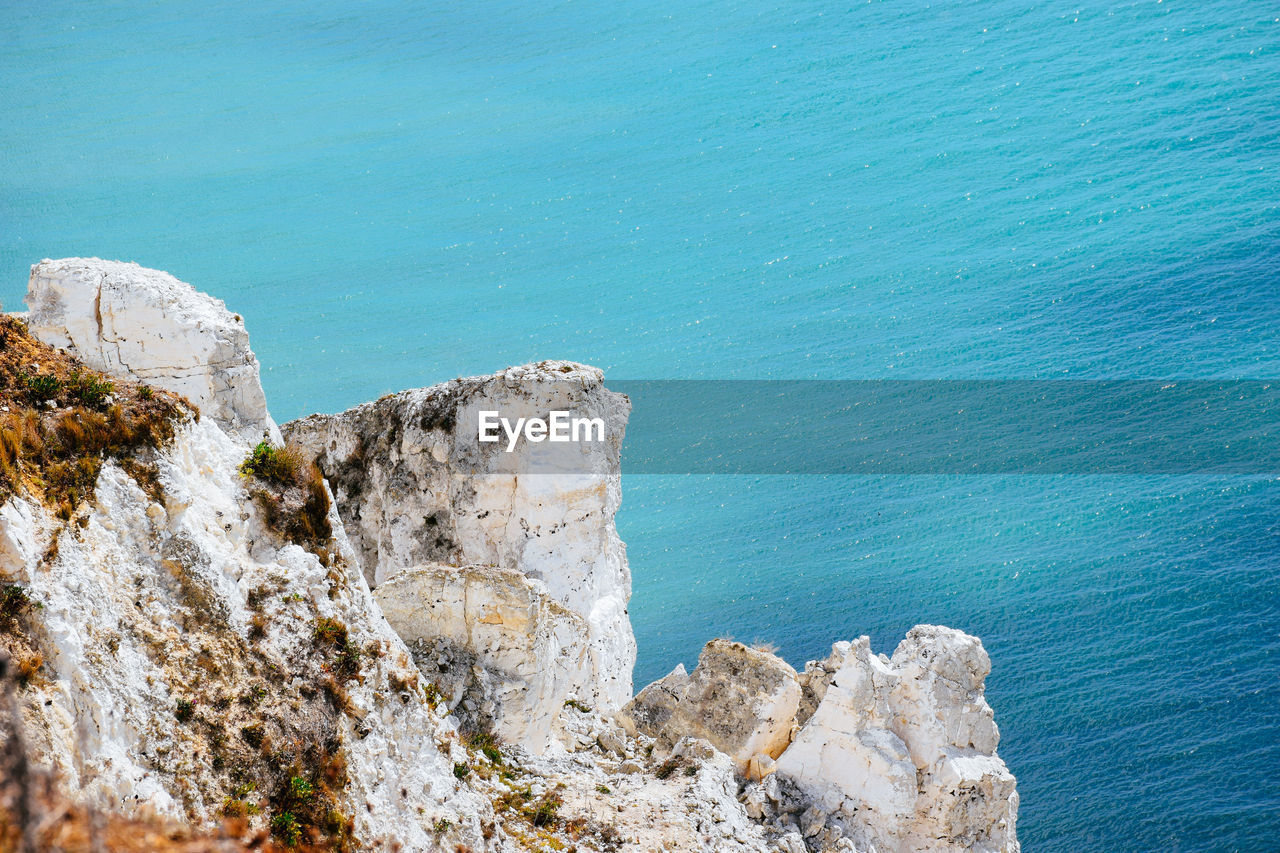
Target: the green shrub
(43, 387)
(14, 601)
(300, 789)
(291, 494)
(286, 829)
(89, 389)
(279, 465)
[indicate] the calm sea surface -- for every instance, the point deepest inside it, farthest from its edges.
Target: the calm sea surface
(394, 194)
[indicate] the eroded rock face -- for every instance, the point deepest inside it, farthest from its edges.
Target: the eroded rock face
(179, 637)
(503, 652)
(900, 752)
(128, 320)
(742, 700)
(188, 650)
(415, 486)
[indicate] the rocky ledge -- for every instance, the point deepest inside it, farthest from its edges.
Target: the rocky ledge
(367, 631)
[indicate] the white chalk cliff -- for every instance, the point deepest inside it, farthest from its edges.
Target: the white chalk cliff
(448, 666)
(417, 489)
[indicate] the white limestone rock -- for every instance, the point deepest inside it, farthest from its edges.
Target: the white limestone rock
(500, 647)
(506, 573)
(742, 700)
(688, 806)
(815, 678)
(25, 532)
(144, 604)
(938, 695)
(902, 750)
(414, 486)
(123, 319)
(654, 707)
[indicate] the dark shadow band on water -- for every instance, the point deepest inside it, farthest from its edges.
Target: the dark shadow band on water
(886, 427)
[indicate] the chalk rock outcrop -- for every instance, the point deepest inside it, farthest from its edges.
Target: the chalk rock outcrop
(817, 677)
(525, 642)
(194, 661)
(900, 753)
(183, 656)
(124, 319)
(415, 486)
(742, 700)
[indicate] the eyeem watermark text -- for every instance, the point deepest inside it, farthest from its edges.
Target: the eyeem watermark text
(558, 426)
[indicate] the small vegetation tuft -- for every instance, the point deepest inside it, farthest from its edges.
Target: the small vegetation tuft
(290, 492)
(278, 465)
(90, 389)
(486, 743)
(15, 637)
(14, 602)
(304, 806)
(344, 655)
(546, 812)
(667, 768)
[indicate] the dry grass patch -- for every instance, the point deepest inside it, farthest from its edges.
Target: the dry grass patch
(289, 489)
(59, 421)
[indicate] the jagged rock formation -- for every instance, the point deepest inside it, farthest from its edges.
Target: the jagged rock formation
(415, 486)
(900, 752)
(202, 659)
(126, 320)
(894, 754)
(742, 700)
(817, 677)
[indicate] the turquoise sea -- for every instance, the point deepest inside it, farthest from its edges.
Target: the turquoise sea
(396, 193)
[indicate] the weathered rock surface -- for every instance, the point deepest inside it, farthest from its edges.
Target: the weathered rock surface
(124, 319)
(901, 752)
(414, 485)
(740, 699)
(146, 606)
(504, 653)
(625, 799)
(191, 653)
(186, 664)
(816, 677)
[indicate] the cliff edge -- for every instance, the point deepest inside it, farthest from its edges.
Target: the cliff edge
(370, 631)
